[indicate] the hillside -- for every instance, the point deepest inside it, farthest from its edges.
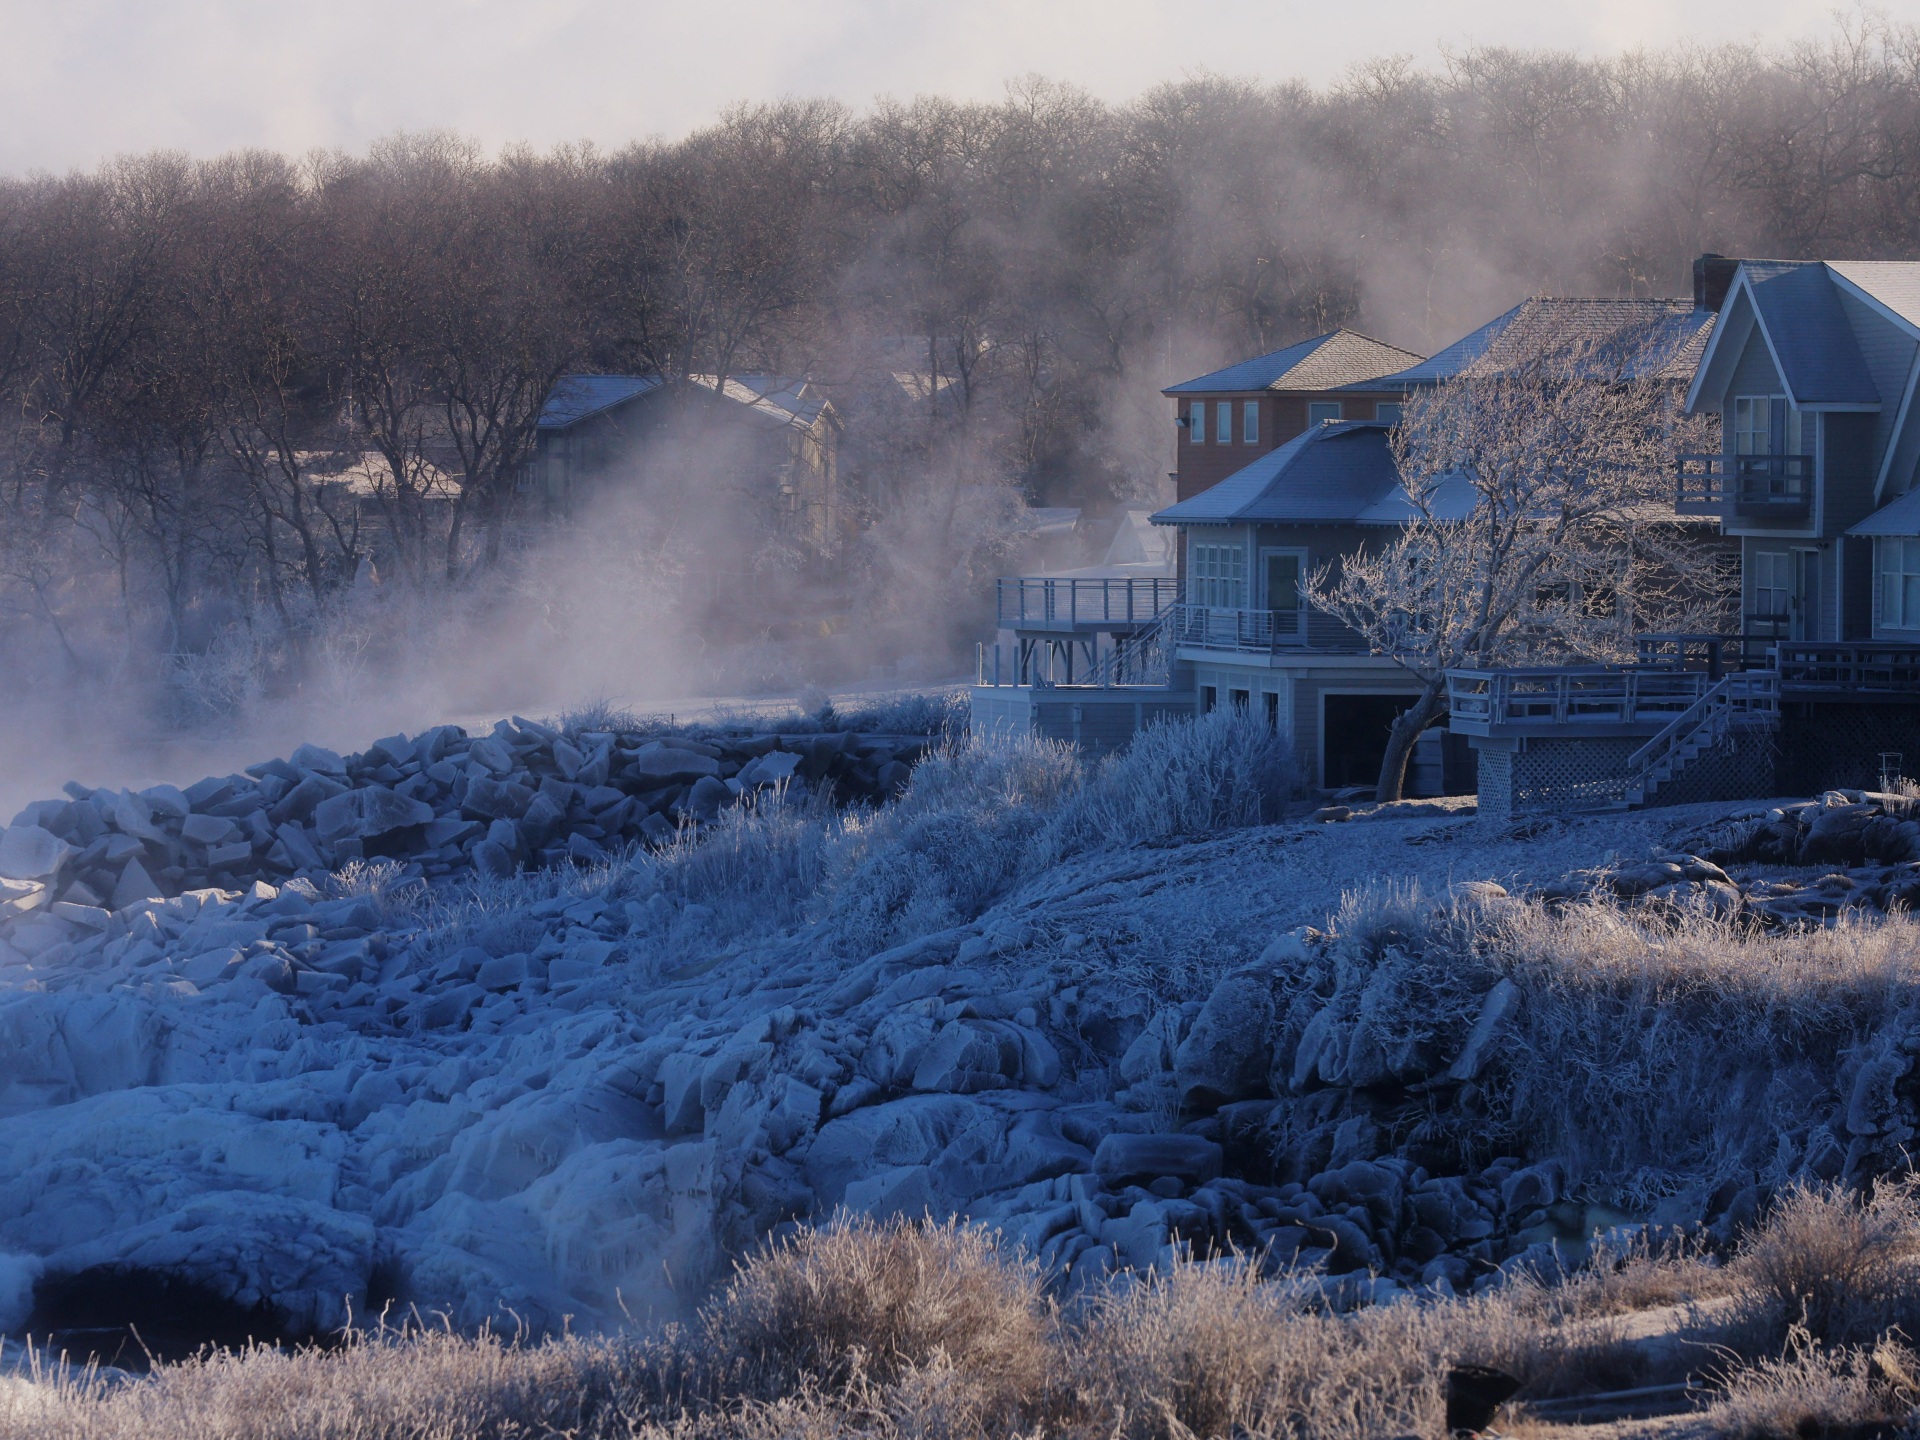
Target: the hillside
(1115, 1015)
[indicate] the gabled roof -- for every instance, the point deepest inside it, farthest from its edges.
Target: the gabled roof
(1674, 332)
(1326, 362)
(1799, 309)
(1895, 284)
(782, 399)
(1898, 517)
(576, 397)
(1338, 473)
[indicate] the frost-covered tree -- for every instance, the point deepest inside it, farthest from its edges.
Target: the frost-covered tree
(1540, 523)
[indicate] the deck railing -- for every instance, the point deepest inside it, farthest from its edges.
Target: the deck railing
(1756, 486)
(1570, 695)
(1858, 667)
(1069, 602)
(1257, 632)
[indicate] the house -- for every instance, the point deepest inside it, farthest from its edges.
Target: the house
(1811, 370)
(1229, 417)
(753, 450)
(1298, 496)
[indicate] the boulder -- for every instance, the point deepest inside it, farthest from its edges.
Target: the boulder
(369, 812)
(28, 852)
(1131, 1159)
(488, 799)
(660, 764)
(707, 797)
(1226, 1054)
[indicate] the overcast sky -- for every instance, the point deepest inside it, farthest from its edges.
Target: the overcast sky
(86, 79)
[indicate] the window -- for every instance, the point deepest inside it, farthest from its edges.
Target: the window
(1320, 411)
(1209, 698)
(1900, 584)
(1772, 584)
(1240, 699)
(1273, 710)
(1223, 421)
(1765, 425)
(1197, 422)
(1219, 577)
(1250, 422)
(1387, 410)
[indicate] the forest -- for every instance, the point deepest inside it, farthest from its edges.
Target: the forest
(250, 395)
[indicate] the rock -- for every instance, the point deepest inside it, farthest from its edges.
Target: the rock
(660, 764)
(707, 797)
(28, 852)
(18, 897)
(488, 799)
(1331, 814)
(1494, 1010)
(1632, 880)
(1228, 1051)
(451, 1007)
(368, 812)
(1124, 1158)
(769, 769)
(207, 830)
(314, 759)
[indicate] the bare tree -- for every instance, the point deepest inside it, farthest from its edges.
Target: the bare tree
(1539, 492)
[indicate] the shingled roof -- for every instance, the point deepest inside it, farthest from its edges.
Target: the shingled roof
(1326, 362)
(1674, 332)
(1337, 473)
(780, 399)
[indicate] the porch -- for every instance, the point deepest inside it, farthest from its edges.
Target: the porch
(1081, 606)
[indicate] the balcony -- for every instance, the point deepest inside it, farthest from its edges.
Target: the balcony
(1247, 632)
(1753, 487)
(1072, 606)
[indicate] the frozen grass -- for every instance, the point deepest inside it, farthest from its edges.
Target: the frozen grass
(929, 1330)
(1834, 1267)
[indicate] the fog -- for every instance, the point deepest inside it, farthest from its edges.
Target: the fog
(264, 468)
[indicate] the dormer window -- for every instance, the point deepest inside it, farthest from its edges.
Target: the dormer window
(1766, 425)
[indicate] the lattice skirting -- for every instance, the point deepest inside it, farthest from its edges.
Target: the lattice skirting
(1551, 776)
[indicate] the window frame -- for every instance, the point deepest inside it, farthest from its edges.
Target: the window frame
(1197, 421)
(1897, 587)
(1249, 422)
(1217, 575)
(1223, 422)
(1770, 420)
(1381, 407)
(1778, 585)
(1316, 415)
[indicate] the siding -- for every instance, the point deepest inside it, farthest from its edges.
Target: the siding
(1847, 469)
(1889, 354)
(1754, 374)
(1283, 415)
(1323, 543)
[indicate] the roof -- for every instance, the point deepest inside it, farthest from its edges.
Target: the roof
(782, 399)
(1338, 473)
(1326, 362)
(1674, 332)
(1799, 308)
(1900, 517)
(1894, 283)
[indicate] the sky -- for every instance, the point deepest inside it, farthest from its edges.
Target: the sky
(88, 79)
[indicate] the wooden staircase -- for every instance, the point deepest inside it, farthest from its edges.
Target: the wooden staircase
(1744, 700)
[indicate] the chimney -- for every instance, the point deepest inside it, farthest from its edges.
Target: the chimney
(1712, 277)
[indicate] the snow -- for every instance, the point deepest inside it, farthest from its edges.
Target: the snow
(573, 1097)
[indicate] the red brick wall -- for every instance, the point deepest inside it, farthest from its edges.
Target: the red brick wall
(1203, 465)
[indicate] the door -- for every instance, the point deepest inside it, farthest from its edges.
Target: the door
(1280, 580)
(1804, 611)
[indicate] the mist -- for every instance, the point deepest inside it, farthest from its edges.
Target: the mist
(200, 354)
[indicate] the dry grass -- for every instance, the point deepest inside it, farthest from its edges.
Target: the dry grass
(1836, 1267)
(873, 1302)
(1811, 1390)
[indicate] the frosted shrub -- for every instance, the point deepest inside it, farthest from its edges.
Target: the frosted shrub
(1834, 1265)
(871, 1301)
(1179, 777)
(1808, 1390)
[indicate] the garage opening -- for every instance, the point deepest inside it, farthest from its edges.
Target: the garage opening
(1355, 728)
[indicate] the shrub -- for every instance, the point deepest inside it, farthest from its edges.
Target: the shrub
(1830, 1264)
(875, 1301)
(1810, 1390)
(1178, 777)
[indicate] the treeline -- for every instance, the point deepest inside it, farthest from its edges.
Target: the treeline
(233, 382)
